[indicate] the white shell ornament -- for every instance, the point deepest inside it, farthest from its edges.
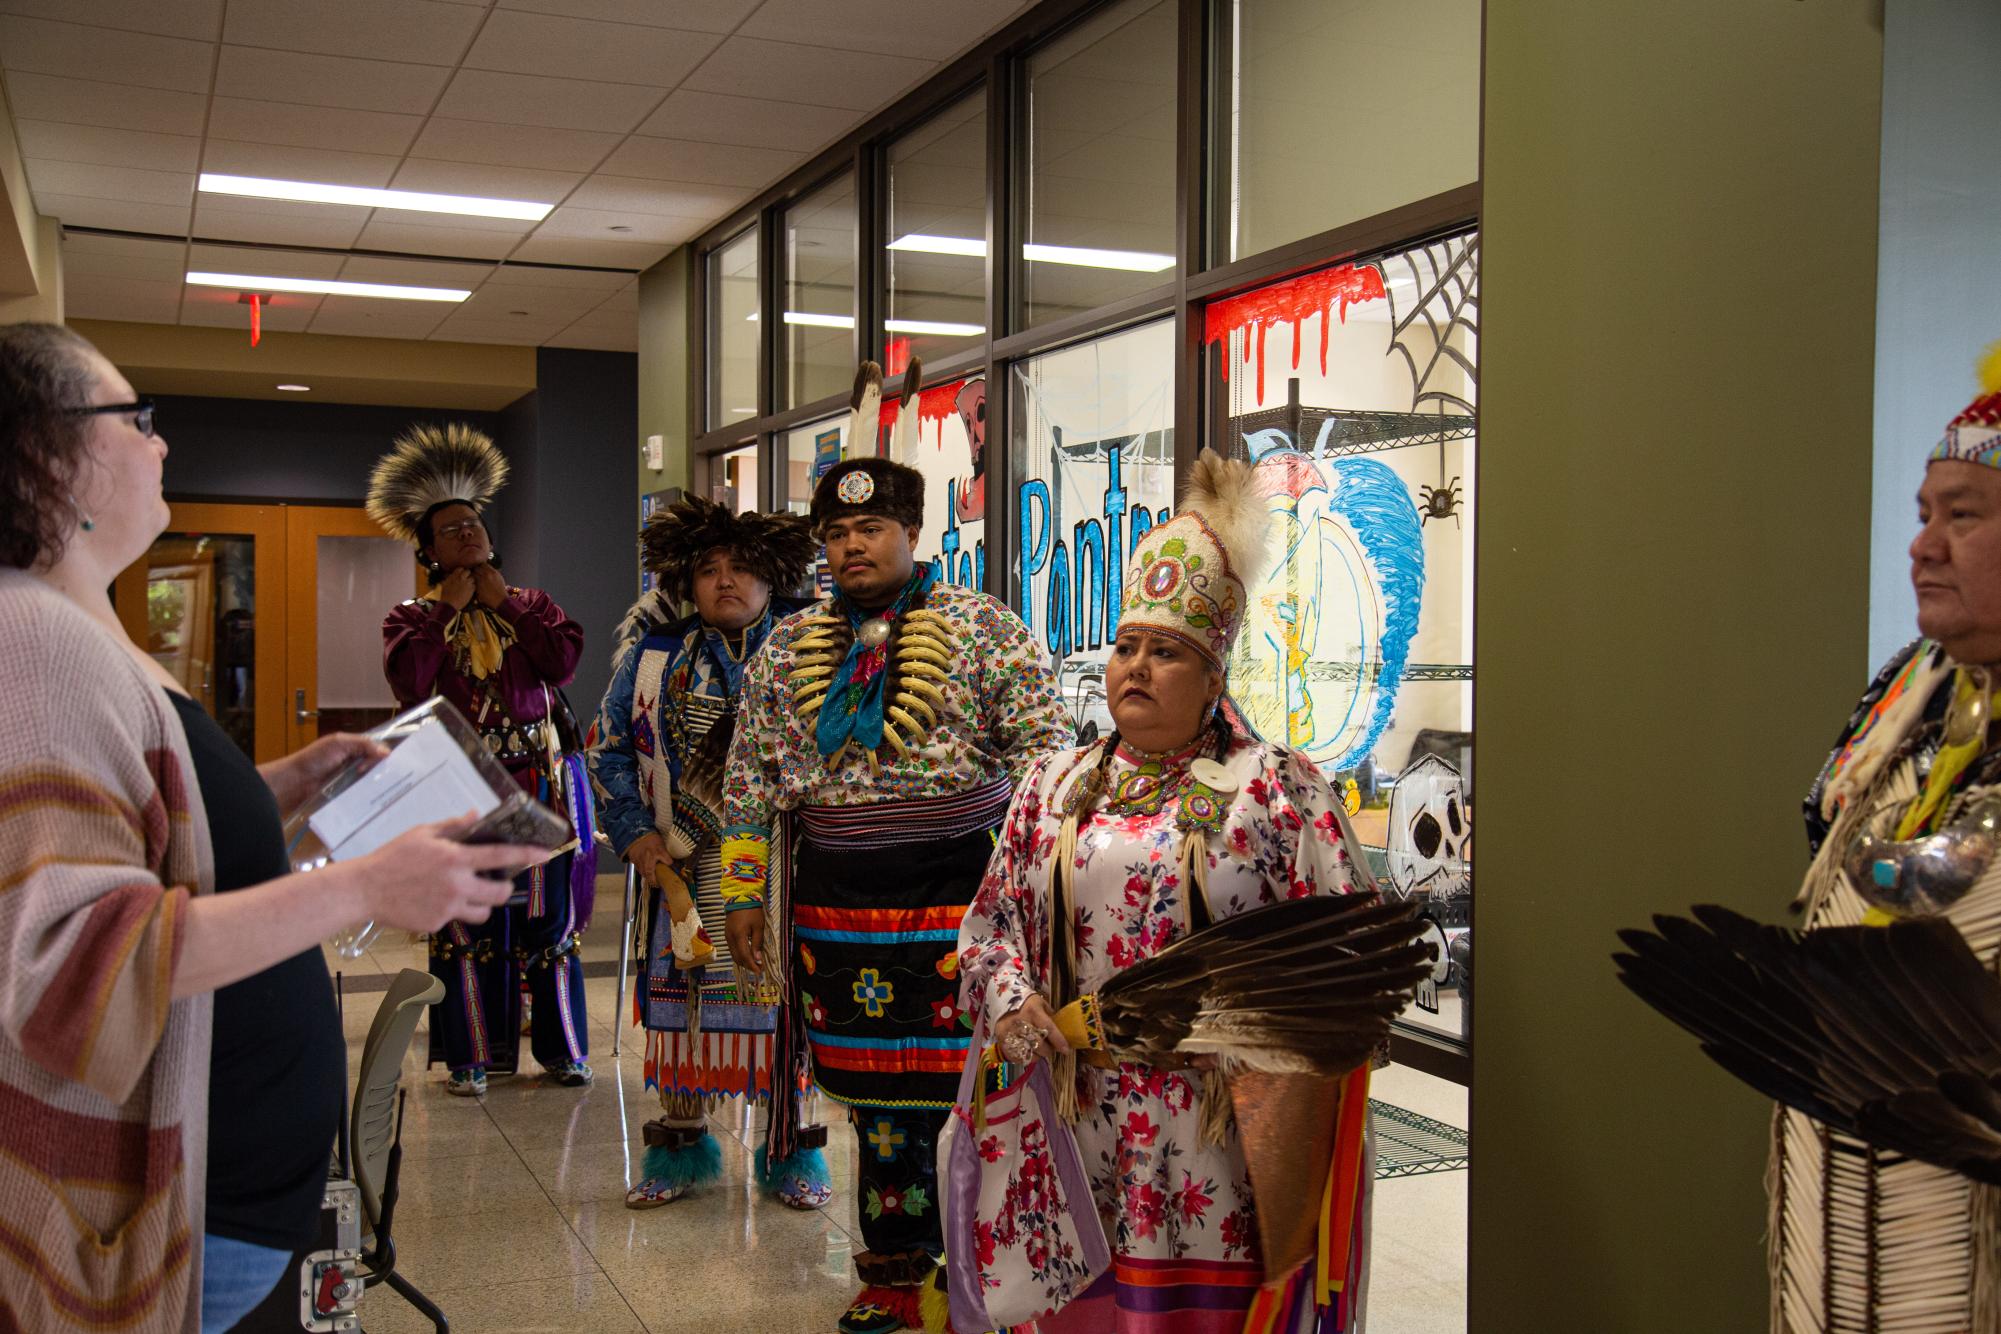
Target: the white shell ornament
(1212, 775)
(854, 488)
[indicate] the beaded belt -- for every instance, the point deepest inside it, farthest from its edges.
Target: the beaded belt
(922, 820)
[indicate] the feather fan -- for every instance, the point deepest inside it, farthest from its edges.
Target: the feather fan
(1307, 986)
(429, 465)
(1890, 1034)
(1225, 493)
(864, 412)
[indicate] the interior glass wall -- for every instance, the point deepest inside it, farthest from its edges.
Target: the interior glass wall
(937, 236)
(1098, 189)
(818, 302)
(732, 323)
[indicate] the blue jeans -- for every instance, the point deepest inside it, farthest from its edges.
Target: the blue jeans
(236, 1276)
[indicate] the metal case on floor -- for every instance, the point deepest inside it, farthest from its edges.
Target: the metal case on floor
(329, 1279)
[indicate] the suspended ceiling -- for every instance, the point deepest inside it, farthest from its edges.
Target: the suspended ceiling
(643, 121)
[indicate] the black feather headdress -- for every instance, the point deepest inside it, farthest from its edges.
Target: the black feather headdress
(777, 547)
(1891, 1034)
(429, 466)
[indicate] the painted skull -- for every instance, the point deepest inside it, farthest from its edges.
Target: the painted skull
(1429, 828)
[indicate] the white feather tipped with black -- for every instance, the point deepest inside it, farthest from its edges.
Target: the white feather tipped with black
(428, 466)
(903, 437)
(864, 412)
(1225, 493)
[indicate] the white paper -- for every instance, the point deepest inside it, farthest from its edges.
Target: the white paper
(426, 778)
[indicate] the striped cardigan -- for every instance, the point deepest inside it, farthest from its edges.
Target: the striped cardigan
(103, 1077)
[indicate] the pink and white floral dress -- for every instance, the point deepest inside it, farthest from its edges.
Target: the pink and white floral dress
(1178, 1212)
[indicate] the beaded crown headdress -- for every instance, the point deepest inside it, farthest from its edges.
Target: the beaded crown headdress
(1188, 575)
(1974, 436)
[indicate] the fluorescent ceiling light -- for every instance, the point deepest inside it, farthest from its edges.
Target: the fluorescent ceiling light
(1135, 261)
(327, 287)
(812, 320)
(308, 192)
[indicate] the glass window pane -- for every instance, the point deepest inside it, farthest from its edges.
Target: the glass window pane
(733, 331)
(1354, 388)
(809, 451)
(938, 236)
(1341, 109)
(734, 482)
(1093, 445)
(201, 622)
(819, 296)
(1099, 221)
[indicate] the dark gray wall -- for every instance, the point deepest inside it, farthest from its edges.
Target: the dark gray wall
(566, 523)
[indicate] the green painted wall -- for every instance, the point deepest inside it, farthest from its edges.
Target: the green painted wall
(1676, 369)
(663, 367)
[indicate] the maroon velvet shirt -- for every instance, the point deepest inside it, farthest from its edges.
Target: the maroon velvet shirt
(545, 650)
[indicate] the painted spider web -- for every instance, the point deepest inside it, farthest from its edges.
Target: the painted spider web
(1441, 325)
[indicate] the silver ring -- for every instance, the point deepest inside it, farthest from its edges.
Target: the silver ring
(1022, 1044)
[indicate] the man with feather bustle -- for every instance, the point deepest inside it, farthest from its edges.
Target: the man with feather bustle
(883, 731)
(1876, 1023)
(657, 753)
(1183, 820)
(501, 655)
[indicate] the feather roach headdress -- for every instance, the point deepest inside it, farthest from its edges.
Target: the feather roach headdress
(778, 547)
(1188, 577)
(430, 466)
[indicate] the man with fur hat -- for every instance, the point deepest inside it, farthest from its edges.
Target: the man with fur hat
(501, 656)
(657, 752)
(883, 731)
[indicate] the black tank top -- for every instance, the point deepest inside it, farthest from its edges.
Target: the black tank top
(278, 1061)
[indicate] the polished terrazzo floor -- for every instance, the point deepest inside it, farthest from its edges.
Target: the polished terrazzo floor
(513, 1218)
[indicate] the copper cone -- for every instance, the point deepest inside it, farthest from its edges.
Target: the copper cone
(1286, 1125)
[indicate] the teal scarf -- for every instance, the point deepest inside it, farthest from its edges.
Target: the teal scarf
(856, 697)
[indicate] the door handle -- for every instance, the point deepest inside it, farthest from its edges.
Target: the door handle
(299, 710)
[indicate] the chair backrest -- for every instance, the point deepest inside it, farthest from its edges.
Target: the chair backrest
(374, 1117)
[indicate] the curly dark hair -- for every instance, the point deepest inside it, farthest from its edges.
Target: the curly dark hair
(45, 372)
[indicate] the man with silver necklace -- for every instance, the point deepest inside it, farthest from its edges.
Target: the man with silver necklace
(883, 730)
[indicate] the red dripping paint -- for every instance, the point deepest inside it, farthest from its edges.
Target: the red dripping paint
(1327, 293)
(935, 406)
(896, 356)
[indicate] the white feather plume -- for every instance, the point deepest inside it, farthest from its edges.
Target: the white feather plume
(903, 436)
(864, 412)
(1225, 493)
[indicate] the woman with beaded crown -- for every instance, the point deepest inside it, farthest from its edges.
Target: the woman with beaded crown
(1179, 818)
(500, 655)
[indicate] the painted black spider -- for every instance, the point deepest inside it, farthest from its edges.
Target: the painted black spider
(1441, 502)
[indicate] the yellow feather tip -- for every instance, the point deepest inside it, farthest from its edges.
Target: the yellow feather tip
(1990, 369)
(935, 1305)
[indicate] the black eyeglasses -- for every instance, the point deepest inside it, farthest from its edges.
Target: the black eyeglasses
(142, 413)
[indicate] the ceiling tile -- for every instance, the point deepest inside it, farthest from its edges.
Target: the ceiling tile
(114, 214)
(597, 254)
(755, 121)
(219, 309)
(77, 51)
(91, 297)
(415, 239)
(298, 164)
(576, 48)
(563, 104)
(378, 318)
(788, 72)
(502, 145)
(198, 19)
(122, 257)
(130, 183)
(693, 15)
(465, 178)
(498, 300)
(108, 147)
(895, 27)
(699, 163)
(341, 128)
(594, 281)
(519, 332)
(283, 263)
(118, 106)
(422, 217)
(625, 300)
(596, 340)
(633, 194)
(298, 225)
(329, 81)
(423, 31)
(597, 224)
(414, 272)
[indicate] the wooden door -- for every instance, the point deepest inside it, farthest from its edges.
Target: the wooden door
(344, 575)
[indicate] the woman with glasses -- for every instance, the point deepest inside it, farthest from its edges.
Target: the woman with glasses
(147, 909)
(501, 655)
